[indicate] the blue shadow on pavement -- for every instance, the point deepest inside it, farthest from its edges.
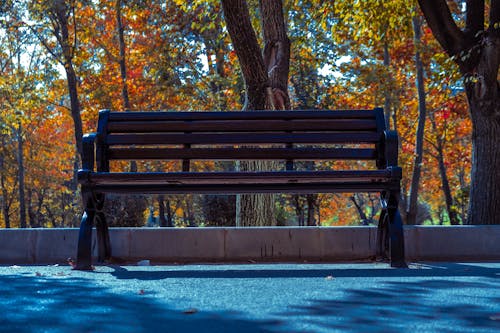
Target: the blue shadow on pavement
(47, 305)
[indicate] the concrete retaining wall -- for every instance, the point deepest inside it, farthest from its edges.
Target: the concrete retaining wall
(423, 243)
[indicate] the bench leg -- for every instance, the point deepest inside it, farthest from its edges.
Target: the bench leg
(383, 236)
(396, 237)
(93, 215)
(84, 254)
(104, 244)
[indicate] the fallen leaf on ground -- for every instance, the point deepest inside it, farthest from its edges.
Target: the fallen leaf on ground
(71, 262)
(496, 316)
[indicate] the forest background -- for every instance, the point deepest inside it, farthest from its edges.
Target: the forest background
(63, 61)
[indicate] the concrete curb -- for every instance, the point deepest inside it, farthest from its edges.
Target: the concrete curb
(422, 243)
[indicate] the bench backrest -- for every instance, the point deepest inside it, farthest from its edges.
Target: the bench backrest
(239, 135)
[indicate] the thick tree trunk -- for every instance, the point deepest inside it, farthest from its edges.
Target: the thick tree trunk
(476, 50)
(248, 51)
(276, 53)
(411, 215)
(266, 79)
(483, 94)
(484, 204)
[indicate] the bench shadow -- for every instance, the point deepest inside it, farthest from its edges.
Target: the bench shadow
(389, 304)
(259, 271)
(69, 304)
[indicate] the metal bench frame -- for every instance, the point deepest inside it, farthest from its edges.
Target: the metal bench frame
(287, 136)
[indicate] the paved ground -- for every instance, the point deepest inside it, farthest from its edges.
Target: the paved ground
(435, 297)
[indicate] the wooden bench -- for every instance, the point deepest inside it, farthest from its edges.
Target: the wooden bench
(285, 136)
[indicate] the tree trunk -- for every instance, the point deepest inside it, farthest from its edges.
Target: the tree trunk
(5, 205)
(161, 211)
(483, 94)
(123, 66)
(248, 51)
(359, 207)
(60, 12)
(484, 204)
(20, 175)
(299, 208)
(266, 80)
(387, 93)
(311, 208)
(276, 53)
(75, 107)
(448, 198)
(121, 60)
(411, 215)
(164, 207)
(476, 50)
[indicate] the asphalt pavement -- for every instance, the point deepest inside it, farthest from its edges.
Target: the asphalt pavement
(254, 297)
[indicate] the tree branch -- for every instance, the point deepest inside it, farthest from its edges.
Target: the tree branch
(438, 17)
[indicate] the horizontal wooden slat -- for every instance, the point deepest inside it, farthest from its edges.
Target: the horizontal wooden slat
(262, 177)
(242, 125)
(241, 153)
(241, 138)
(242, 182)
(323, 187)
(242, 115)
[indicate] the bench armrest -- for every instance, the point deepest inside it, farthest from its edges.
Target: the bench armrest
(388, 150)
(88, 158)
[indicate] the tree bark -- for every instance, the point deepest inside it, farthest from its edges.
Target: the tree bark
(5, 205)
(476, 50)
(20, 175)
(248, 51)
(60, 13)
(387, 93)
(411, 216)
(121, 60)
(266, 82)
(445, 184)
(311, 208)
(276, 53)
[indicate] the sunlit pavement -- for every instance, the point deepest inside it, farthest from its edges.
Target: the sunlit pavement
(432, 297)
